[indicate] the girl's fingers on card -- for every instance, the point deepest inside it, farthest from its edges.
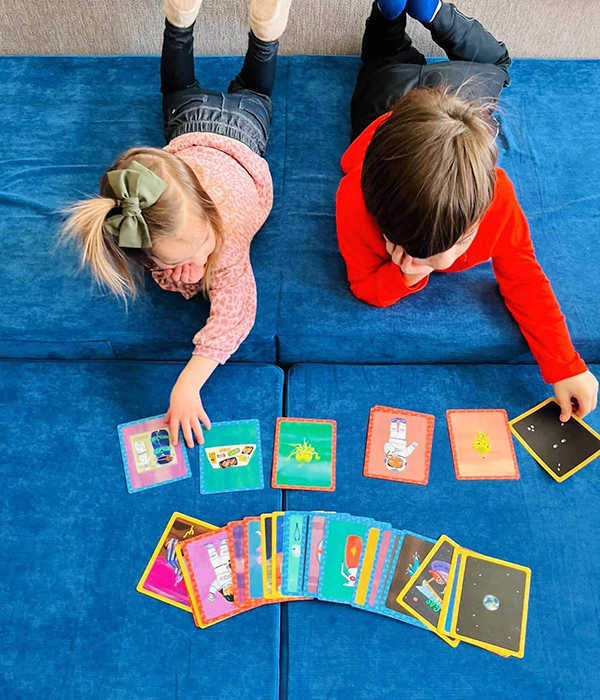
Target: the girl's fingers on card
(197, 428)
(187, 433)
(174, 425)
(204, 418)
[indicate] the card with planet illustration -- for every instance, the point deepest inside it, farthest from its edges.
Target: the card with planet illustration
(560, 448)
(490, 609)
(304, 454)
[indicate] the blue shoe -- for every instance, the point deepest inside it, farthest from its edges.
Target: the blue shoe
(423, 11)
(391, 9)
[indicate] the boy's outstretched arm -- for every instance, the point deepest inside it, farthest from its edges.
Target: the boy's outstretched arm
(531, 301)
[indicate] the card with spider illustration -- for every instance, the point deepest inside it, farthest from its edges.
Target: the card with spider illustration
(398, 445)
(560, 448)
(231, 458)
(149, 456)
(304, 454)
(482, 445)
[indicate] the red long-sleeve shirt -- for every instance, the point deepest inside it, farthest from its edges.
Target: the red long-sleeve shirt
(503, 236)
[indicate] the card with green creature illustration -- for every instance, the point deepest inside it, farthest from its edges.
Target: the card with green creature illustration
(304, 454)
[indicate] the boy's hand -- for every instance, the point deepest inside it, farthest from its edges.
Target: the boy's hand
(186, 410)
(411, 272)
(577, 395)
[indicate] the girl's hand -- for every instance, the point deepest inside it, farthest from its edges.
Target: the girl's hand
(579, 393)
(411, 272)
(186, 410)
(186, 274)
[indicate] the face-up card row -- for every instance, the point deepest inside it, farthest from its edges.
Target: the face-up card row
(231, 456)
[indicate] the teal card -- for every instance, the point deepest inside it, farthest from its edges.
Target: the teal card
(304, 454)
(231, 457)
(294, 540)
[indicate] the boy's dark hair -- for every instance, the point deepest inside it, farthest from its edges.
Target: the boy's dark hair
(429, 172)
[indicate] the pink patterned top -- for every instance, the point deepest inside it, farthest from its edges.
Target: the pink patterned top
(239, 183)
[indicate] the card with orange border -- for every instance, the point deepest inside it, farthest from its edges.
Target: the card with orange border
(482, 446)
(206, 566)
(304, 454)
(398, 445)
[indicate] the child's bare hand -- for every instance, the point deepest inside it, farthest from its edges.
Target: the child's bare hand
(186, 274)
(577, 395)
(411, 271)
(186, 410)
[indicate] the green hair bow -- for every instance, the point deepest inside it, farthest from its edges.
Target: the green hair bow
(136, 188)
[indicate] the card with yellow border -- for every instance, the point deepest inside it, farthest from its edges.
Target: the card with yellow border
(560, 448)
(492, 598)
(162, 577)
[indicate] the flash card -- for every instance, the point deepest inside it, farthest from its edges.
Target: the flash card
(304, 454)
(365, 567)
(491, 604)
(294, 543)
(560, 448)
(424, 594)
(376, 576)
(314, 550)
(231, 458)
(277, 549)
(206, 566)
(253, 554)
(398, 445)
(407, 553)
(235, 540)
(149, 456)
(163, 578)
(266, 536)
(482, 445)
(343, 542)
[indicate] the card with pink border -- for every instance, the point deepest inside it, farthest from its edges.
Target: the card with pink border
(149, 456)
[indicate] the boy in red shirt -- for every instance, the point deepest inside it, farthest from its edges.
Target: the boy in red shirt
(422, 192)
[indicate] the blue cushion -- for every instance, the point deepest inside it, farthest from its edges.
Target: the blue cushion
(334, 651)
(75, 543)
(55, 151)
(554, 165)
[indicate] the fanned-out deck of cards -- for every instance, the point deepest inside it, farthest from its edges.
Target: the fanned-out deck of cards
(436, 585)
(560, 448)
(231, 457)
(304, 454)
(149, 456)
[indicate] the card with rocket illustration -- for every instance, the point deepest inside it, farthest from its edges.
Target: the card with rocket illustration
(482, 445)
(492, 598)
(304, 454)
(560, 448)
(163, 578)
(423, 596)
(398, 445)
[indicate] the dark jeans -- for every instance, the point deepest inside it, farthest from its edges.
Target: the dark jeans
(392, 66)
(244, 112)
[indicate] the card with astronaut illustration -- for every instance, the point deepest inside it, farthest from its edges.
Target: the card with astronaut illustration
(149, 456)
(398, 445)
(231, 459)
(560, 448)
(163, 578)
(482, 446)
(205, 562)
(304, 454)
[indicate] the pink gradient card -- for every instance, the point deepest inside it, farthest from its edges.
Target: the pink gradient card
(149, 456)
(482, 445)
(398, 445)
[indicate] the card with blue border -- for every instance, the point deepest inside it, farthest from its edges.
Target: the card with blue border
(294, 552)
(231, 457)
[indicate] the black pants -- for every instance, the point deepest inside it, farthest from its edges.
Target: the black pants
(244, 112)
(392, 66)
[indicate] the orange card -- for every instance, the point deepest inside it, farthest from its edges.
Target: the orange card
(482, 446)
(398, 445)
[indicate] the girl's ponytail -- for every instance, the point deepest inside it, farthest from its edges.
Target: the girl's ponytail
(99, 250)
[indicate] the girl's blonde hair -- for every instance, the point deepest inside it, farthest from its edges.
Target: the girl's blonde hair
(430, 170)
(120, 269)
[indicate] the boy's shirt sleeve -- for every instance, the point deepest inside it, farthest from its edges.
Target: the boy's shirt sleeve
(373, 277)
(529, 296)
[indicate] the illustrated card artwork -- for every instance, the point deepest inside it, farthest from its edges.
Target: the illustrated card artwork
(344, 539)
(482, 445)
(398, 445)
(316, 532)
(410, 552)
(266, 534)
(207, 568)
(425, 592)
(560, 448)
(162, 577)
(231, 459)
(377, 578)
(294, 541)
(253, 549)
(304, 454)
(235, 535)
(491, 604)
(149, 456)
(365, 568)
